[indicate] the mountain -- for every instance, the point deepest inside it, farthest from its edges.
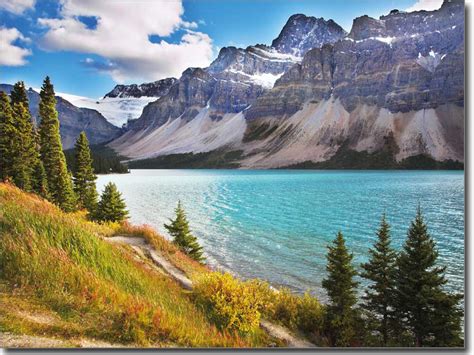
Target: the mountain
(398, 80)
(117, 110)
(73, 120)
(155, 89)
(302, 33)
(392, 87)
(203, 109)
(124, 103)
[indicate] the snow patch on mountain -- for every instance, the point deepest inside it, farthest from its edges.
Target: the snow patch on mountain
(116, 110)
(430, 61)
(267, 80)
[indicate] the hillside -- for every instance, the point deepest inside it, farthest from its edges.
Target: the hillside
(64, 282)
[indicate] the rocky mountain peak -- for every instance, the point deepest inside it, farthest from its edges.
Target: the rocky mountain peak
(302, 33)
(154, 89)
(366, 27)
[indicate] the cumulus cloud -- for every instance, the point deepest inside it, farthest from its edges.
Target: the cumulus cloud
(17, 6)
(121, 33)
(428, 5)
(10, 53)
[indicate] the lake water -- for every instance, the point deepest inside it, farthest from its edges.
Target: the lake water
(275, 225)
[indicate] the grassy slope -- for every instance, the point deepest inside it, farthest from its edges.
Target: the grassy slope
(59, 277)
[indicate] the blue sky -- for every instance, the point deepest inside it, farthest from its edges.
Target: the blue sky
(87, 47)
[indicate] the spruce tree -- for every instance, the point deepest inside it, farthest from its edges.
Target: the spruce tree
(380, 270)
(84, 177)
(59, 181)
(8, 133)
(27, 152)
(111, 207)
(428, 311)
(341, 289)
(182, 236)
(39, 180)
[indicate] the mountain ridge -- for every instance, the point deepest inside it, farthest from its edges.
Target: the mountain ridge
(400, 74)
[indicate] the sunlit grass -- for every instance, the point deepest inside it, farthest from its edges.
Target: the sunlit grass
(63, 262)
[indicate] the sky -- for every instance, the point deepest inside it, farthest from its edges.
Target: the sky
(89, 46)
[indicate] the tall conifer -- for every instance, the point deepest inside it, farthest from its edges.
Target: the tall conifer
(428, 311)
(27, 153)
(8, 133)
(59, 181)
(84, 177)
(380, 270)
(341, 289)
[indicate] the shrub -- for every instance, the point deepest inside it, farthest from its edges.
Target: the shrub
(285, 308)
(304, 313)
(232, 304)
(310, 314)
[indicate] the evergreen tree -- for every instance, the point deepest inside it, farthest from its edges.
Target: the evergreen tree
(182, 236)
(111, 207)
(341, 289)
(25, 144)
(59, 181)
(8, 149)
(39, 180)
(429, 312)
(84, 177)
(381, 271)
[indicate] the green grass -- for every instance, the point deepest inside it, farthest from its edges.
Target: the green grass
(63, 263)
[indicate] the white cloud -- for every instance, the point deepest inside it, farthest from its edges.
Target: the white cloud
(121, 36)
(11, 54)
(428, 5)
(17, 6)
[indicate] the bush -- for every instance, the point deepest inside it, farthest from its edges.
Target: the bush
(310, 316)
(232, 304)
(285, 308)
(304, 313)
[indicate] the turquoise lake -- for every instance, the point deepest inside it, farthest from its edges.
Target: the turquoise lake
(275, 225)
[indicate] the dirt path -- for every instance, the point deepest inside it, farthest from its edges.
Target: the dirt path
(9, 341)
(143, 247)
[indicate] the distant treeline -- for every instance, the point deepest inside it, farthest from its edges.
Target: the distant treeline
(216, 159)
(344, 158)
(104, 160)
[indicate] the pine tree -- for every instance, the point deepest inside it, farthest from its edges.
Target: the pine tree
(27, 153)
(84, 177)
(39, 180)
(182, 236)
(381, 271)
(111, 207)
(8, 133)
(59, 181)
(429, 312)
(341, 289)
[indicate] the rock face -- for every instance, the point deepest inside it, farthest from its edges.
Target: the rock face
(302, 33)
(155, 89)
(73, 120)
(228, 86)
(399, 76)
